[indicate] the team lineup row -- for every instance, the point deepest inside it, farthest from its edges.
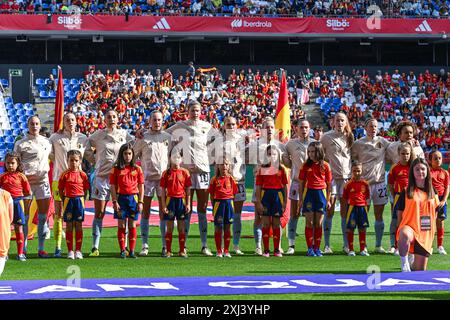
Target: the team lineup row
(320, 174)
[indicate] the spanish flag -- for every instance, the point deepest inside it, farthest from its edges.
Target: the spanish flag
(283, 113)
(283, 128)
(59, 103)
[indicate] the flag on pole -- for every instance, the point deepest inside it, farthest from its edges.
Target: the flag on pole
(283, 129)
(283, 113)
(59, 103)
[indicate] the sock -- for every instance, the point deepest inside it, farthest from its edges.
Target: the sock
(187, 223)
(257, 233)
(344, 229)
(126, 236)
(182, 241)
(393, 231)
(350, 236)
(96, 232)
(276, 239)
(69, 240)
(292, 230)
(404, 260)
(79, 240)
(169, 241)
(121, 238)
(144, 231)
(42, 220)
(57, 229)
(2, 264)
(237, 227)
(362, 240)
(265, 238)
(309, 237)
(226, 241)
(327, 224)
(379, 230)
(440, 236)
(317, 237)
(132, 235)
(25, 233)
(218, 239)
(203, 228)
(162, 230)
(19, 241)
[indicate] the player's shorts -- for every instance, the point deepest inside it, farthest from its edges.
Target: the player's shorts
(152, 186)
(73, 209)
(128, 204)
(176, 208)
(223, 212)
(39, 191)
(200, 180)
(101, 189)
(442, 213)
(293, 190)
(272, 200)
(378, 194)
(395, 205)
(19, 213)
(357, 217)
(416, 248)
(314, 200)
(337, 187)
(241, 195)
(55, 191)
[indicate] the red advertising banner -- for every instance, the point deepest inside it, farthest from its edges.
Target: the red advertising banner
(158, 25)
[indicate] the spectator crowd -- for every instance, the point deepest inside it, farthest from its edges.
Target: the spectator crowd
(298, 8)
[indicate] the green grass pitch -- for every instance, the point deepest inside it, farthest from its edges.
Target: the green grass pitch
(109, 265)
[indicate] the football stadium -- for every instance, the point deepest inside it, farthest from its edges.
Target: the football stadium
(224, 150)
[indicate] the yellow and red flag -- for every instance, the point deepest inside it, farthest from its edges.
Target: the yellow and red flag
(59, 103)
(283, 113)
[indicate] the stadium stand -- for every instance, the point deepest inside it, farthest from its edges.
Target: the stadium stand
(422, 8)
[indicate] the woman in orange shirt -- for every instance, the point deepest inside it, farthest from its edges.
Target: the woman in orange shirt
(417, 218)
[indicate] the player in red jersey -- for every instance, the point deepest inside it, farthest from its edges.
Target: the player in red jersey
(176, 190)
(440, 180)
(222, 190)
(127, 193)
(73, 186)
(398, 181)
(356, 200)
(315, 187)
(271, 189)
(16, 183)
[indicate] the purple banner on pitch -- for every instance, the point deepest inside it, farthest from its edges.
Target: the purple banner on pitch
(193, 286)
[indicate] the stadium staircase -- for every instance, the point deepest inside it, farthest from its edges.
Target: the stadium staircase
(313, 113)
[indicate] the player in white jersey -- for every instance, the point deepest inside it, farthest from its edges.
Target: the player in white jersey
(294, 157)
(337, 144)
(234, 146)
(370, 151)
(255, 154)
(34, 151)
(62, 142)
(153, 151)
(405, 132)
(192, 137)
(102, 149)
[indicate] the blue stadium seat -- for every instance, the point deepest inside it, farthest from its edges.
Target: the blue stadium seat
(28, 106)
(7, 133)
(29, 113)
(74, 81)
(67, 87)
(10, 146)
(9, 106)
(43, 94)
(18, 105)
(11, 113)
(23, 119)
(5, 83)
(15, 125)
(23, 125)
(52, 94)
(17, 132)
(9, 138)
(40, 82)
(2, 139)
(65, 82)
(8, 100)
(20, 112)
